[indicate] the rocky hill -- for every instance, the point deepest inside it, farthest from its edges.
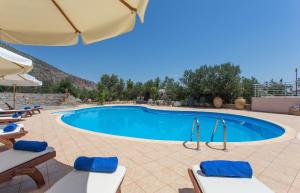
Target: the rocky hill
(46, 72)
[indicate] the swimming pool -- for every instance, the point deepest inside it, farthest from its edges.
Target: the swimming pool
(145, 123)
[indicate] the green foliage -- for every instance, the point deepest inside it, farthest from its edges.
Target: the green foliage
(101, 94)
(67, 85)
(222, 80)
(112, 86)
(173, 89)
(218, 80)
(247, 90)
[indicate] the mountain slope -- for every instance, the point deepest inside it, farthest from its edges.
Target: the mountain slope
(46, 72)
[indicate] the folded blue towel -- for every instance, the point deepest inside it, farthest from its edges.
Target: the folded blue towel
(17, 114)
(27, 108)
(37, 106)
(223, 168)
(96, 164)
(34, 146)
(10, 127)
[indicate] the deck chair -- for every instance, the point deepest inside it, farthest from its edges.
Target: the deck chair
(204, 184)
(15, 162)
(9, 138)
(4, 120)
(90, 182)
(34, 108)
(27, 112)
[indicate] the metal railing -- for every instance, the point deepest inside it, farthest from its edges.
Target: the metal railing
(224, 133)
(276, 89)
(196, 123)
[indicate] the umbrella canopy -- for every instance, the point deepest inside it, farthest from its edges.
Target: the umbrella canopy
(19, 80)
(12, 63)
(60, 22)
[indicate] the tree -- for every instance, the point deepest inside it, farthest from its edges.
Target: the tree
(173, 89)
(248, 88)
(66, 84)
(153, 92)
(113, 87)
(101, 95)
(129, 92)
(218, 80)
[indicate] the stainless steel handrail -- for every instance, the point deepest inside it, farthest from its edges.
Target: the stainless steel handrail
(196, 122)
(224, 133)
(214, 130)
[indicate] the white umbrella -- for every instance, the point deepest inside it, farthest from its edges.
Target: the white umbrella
(12, 63)
(60, 22)
(19, 80)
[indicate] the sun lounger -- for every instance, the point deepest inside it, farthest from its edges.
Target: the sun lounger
(90, 182)
(8, 138)
(15, 162)
(204, 184)
(33, 107)
(27, 112)
(4, 120)
(36, 108)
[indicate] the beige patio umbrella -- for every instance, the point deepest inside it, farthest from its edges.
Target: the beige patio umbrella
(60, 22)
(19, 80)
(12, 63)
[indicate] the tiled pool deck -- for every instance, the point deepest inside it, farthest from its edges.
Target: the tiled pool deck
(158, 167)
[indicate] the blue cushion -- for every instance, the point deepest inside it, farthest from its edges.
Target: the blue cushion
(37, 106)
(96, 164)
(27, 108)
(10, 127)
(17, 114)
(34, 146)
(223, 168)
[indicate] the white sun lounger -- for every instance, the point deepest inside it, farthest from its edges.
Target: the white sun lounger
(8, 138)
(14, 162)
(204, 184)
(27, 112)
(90, 182)
(18, 129)
(9, 119)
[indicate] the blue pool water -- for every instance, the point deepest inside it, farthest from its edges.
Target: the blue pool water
(142, 122)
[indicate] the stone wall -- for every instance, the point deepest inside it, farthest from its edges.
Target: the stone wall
(34, 98)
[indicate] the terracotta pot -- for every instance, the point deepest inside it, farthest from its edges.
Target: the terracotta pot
(218, 102)
(240, 103)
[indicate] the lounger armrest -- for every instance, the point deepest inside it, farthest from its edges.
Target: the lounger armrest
(197, 188)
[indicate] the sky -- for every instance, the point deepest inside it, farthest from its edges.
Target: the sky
(261, 36)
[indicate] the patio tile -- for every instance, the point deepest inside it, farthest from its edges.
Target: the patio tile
(166, 189)
(154, 167)
(132, 188)
(150, 184)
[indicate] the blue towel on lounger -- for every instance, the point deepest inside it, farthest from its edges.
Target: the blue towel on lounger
(17, 114)
(10, 127)
(27, 108)
(37, 106)
(34, 146)
(96, 164)
(223, 168)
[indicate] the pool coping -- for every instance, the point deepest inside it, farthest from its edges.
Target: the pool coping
(289, 133)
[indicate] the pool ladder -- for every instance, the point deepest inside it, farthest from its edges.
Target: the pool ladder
(197, 123)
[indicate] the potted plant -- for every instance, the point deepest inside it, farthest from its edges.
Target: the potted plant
(218, 102)
(240, 103)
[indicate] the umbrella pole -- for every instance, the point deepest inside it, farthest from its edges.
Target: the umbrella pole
(14, 90)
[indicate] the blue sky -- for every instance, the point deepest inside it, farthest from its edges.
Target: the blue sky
(262, 36)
